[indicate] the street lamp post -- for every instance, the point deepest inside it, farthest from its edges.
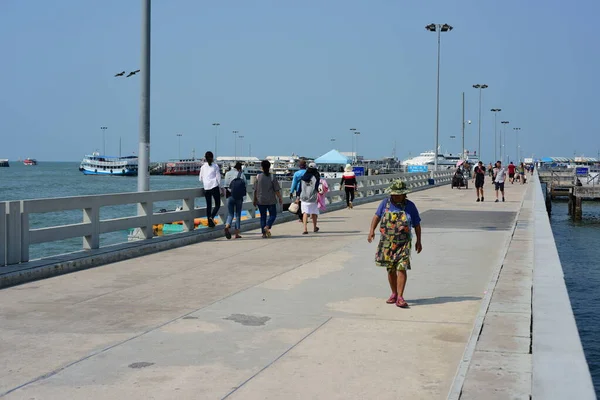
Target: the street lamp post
(503, 138)
(144, 134)
(241, 137)
(179, 135)
(495, 111)
(439, 28)
(216, 125)
(356, 146)
(103, 128)
(235, 133)
(517, 140)
(352, 130)
(480, 87)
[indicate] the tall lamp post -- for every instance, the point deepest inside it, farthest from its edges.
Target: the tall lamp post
(503, 138)
(179, 135)
(352, 130)
(356, 146)
(235, 133)
(517, 139)
(103, 129)
(439, 28)
(144, 134)
(241, 137)
(495, 111)
(216, 125)
(480, 87)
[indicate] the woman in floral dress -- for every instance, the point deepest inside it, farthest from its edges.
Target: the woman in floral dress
(396, 216)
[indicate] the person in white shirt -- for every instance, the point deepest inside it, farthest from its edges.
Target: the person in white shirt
(499, 178)
(210, 176)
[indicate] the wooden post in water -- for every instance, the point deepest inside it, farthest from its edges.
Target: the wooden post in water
(577, 212)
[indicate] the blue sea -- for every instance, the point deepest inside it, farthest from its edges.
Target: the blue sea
(63, 179)
(579, 251)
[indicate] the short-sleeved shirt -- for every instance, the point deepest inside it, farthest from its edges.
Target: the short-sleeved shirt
(480, 172)
(265, 187)
(409, 208)
(511, 168)
(500, 175)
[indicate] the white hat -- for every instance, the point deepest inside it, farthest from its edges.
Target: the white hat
(312, 165)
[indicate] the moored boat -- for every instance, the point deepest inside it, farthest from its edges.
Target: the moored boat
(96, 164)
(30, 161)
(4, 162)
(183, 167)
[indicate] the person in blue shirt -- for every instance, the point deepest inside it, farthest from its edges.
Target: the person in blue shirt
(296, 186)
(396, 216)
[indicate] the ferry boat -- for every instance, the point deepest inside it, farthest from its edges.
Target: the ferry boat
(428, 158)
(183, 167)
(96, 164)
(30, 161)
(4, 162)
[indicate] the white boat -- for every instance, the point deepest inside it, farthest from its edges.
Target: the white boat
(96, 164)
(428, 158)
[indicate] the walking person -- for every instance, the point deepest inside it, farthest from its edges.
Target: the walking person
(521, 171)
(235, 191)
(210, 176)
(500, 176)
(396, 216)
(297, 187)
(479, 178)
(267, 193)
(309, 196)
(349, 183)
(511, 172)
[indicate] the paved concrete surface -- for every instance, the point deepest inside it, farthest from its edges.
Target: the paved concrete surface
(293, 316)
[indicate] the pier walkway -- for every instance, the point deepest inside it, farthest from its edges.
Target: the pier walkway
(299, 317)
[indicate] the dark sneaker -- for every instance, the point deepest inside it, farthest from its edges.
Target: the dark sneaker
(482, 199)
(503, 199)
(496, 201)
(211, 223)
(227, 233)
(478, 200)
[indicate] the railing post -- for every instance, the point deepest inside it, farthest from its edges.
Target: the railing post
(144, 209)
(2, 234)
(188, 222)
(13, 233)
(92, 216)
(24, 233)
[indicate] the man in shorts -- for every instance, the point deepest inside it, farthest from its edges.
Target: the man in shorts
(479, 178)
(511, 172)
(500, 176)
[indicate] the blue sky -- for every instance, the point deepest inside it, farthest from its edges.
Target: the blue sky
(291, 76)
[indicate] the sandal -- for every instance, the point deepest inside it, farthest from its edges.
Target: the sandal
(237, 236)
(305, 233)
(316, 229)
(401, 302)
(268, 232)
(392, 299)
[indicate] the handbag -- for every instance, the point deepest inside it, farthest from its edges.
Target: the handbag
(293, 208)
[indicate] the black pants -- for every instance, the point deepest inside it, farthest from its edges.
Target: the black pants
(349, 195)
(209, 195)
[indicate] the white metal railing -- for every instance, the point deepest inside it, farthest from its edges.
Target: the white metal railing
(16, 236)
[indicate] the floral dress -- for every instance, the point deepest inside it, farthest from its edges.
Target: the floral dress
(393, 251)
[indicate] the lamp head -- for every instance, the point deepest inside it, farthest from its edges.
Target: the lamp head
(431, 27)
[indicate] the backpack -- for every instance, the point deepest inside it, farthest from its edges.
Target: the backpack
(309, 192)
(237, 187)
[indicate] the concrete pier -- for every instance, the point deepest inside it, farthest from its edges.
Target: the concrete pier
(295, 316)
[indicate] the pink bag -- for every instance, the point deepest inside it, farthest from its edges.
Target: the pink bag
(321, 198)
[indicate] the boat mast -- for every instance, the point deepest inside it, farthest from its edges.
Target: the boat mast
(119, 146)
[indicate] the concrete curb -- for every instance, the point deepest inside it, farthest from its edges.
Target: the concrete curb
(463, 368)
(81, 260)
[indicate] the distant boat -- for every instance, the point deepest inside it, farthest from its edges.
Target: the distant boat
(4, 162)
(183, 167)
(95, 164)
(30, 161)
